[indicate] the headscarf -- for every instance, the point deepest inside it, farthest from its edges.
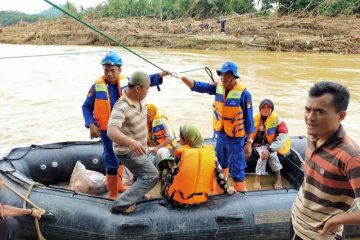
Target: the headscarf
(266, 101)
(191, 136)
(151, 110)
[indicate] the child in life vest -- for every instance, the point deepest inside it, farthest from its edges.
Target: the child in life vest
(189, 181)
(161, 136)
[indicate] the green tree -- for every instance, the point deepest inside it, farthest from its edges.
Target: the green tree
(242, 6)
(8, 18)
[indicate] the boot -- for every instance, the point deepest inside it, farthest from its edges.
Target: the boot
(111, 184)
(240, 186)
(120, 186)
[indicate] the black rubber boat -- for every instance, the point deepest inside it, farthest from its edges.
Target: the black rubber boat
(69, 215)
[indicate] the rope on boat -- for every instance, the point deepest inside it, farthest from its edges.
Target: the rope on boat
(101, 33)
(53, 54)
(27, 200)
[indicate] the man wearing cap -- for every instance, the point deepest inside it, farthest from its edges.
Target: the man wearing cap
(270, 139)
(232, 121)
(96, 111)
(127, 128)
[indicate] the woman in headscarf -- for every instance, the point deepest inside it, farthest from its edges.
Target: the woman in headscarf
(270, 139)
(190, 179)
(161, 139)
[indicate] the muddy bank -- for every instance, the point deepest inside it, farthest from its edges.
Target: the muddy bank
(338, 35)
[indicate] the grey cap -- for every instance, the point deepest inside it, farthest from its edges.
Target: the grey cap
(139, 78)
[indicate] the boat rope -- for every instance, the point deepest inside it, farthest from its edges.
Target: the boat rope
(101, 33)
(209, 72)
(27, 200)
(34, 146)
(52, 54)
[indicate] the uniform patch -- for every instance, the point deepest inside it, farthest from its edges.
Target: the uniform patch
(90, 93)
(248, 104)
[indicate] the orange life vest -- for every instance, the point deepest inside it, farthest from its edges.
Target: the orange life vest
(270, 131)
(195, 177)
(102, 108)
(158, 131)
(228, 113)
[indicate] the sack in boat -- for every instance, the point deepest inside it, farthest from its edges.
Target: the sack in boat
(87, 181)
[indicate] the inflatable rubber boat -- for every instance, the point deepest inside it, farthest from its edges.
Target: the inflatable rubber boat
(263, 214)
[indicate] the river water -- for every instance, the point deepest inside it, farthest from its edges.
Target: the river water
(41, 97)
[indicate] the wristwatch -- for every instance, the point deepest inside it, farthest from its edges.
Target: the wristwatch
(249, 140)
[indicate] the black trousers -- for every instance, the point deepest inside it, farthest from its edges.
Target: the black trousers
(9, 228)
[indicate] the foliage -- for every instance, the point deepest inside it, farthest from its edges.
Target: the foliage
(172, 9)
(198, 9)
(8, 18)
(319, 7)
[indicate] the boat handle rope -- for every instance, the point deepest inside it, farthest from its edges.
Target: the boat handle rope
(101, 33)
(27, 200)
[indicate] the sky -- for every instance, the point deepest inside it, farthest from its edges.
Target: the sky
(36, 6)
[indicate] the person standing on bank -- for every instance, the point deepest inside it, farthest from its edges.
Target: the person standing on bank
(96, 111)
(331, 173)
(9, 226)
(127, 128)
(232, 121)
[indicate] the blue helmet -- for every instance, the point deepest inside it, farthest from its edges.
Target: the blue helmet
(227, 67)
(111, 58)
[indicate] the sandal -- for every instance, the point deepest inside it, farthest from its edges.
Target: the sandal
(123, 209)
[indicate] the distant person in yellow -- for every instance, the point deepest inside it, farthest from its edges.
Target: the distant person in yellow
(270, 139)
(190, 179)
(162, 139)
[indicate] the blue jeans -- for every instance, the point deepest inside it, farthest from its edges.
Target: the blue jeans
(146, 178)
(230, 154)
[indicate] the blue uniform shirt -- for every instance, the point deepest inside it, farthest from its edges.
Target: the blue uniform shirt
(88, 105)
(245, 102)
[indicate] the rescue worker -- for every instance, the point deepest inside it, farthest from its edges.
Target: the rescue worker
(190, 180)
(162, 138)
(96, 111)
(232, 121)
(270, 139)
